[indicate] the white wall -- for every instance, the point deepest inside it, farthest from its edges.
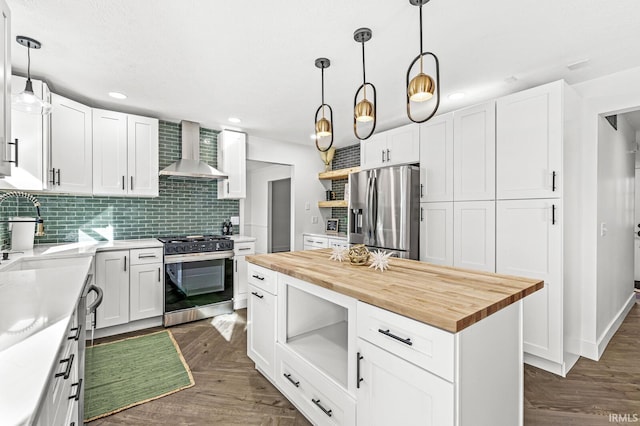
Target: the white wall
(305, 186)
(615, 93)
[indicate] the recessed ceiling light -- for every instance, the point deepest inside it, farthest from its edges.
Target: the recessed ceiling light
(456, 96)
(235, 120)
(117, 95)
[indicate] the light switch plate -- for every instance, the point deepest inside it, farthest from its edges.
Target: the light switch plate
(235, 220)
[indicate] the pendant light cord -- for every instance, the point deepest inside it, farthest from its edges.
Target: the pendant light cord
(364, 73)
(421, 39)
(28, 63)
(322, 74)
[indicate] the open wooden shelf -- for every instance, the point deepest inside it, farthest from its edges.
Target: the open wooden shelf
(333, 203)
(337, 174)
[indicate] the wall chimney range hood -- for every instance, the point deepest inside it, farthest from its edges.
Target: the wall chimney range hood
(190, 165)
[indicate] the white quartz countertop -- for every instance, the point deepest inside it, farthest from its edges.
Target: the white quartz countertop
(242, 238)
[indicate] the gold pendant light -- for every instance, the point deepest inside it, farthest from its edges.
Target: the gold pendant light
(323, 125)
(364, 111)
(422, 87)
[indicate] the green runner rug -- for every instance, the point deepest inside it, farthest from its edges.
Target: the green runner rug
(129, 372)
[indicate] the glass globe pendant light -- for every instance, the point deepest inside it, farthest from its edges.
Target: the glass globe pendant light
(365, 110)
(423, 87)
(27, 101)
(324, 126)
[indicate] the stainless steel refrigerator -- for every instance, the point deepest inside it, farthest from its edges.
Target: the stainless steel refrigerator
(384, 210)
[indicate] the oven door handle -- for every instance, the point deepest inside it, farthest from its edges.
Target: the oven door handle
(197, 257)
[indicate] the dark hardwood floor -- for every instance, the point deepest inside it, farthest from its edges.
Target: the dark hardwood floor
(229, 391)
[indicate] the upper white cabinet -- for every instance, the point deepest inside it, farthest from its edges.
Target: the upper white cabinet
(232, 160)
(474, 235)
(5, 90)
(474, 155)
(31, 131)
(396, 146)
(70, 147)
(529, 143)
(436, 159)
(125, 154)
(436, 233)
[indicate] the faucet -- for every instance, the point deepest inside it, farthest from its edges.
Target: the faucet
(36, 204)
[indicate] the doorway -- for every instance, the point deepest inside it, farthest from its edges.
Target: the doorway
(280, 215)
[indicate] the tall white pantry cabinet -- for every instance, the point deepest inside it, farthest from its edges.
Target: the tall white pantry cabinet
(537, 180)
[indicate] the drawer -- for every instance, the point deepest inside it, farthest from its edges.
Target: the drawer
(315, 242)
(421, 344)
(319, 399)
(243, 249)
(263, 278)
(60, 388)
(338, 243)
(142, 256)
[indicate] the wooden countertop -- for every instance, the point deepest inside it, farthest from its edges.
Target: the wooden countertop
(444, 297)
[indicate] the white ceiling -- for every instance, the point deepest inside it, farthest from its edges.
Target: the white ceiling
(205, 61)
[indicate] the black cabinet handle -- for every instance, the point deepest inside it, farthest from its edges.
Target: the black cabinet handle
(227, 187)
(295, 383)
(78, 330)
(406, 341)
(256, 276)
(358, 378)
(58, 173)
(553, 214)
(158, 274)
(53, 176)
(553, 181)
(15, 144)
(324, 410)
(259, 296)
(421, 190)
(67, 371)
(125, 263)
(421, 214)
(76, 396)
(244, 249)
(132, 183)
(383, 155)
(123, 183)
(388, 155)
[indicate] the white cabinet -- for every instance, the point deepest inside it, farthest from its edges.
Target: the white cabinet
(474, 235)
(232, 160)
(529, 140)
(125, 154)
(529, 244)
(261, 319)
(436, 233)
(112, 276)
(436, 159)
(31, 131)
(312, 242)
(146, 290)
(70, 147)
(5, 89)
(474, 155)
(337, 242)
(396, 146)
(240, 280)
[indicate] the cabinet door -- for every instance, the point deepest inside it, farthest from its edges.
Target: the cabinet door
(146, 291)
(70, 147)
(529, 143)
(142, 158)
(474, 231)
(436, 159)
(474, 153)
(232, 160)
(261, 329)
(529, 244)
(403, 145)
(109, 153)
(28, 130)
(373, 151)
(395, 392)
(436, 233)
(240, 282)
(5, 89)
(112, 276)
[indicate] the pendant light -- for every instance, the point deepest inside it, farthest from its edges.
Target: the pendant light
(423, 87)
(27, 101)
(324, 125)
(365, 110)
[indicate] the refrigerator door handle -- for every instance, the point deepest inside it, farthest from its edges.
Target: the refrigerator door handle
(368, 209)
(374, 208)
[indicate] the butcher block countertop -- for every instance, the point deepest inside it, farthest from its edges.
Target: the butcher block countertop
(448, 298)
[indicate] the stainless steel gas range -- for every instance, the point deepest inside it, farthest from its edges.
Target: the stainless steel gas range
(198, 277)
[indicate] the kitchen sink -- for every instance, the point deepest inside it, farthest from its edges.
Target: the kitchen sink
(30, 263)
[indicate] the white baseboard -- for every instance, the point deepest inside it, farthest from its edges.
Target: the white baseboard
(125, 328)
(595, 350)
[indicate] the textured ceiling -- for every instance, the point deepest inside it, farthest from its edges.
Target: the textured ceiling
(205, 61)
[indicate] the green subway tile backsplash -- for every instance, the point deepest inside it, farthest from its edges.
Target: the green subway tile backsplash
(344, 158)
(184, 206)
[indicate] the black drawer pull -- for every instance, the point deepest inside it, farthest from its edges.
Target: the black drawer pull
(288, 376)
(358, 378)
(76, 396)
(78, 330)
(317, 402)
(67, 372)
(256, 276)
(259, 296)
(406, 341)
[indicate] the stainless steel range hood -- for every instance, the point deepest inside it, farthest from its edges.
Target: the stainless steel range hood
(190, 166)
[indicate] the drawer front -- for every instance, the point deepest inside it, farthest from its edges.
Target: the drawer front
(142, 256)
(338, 243)
(315, 242)
(243, 249)
(263, 278)
(421, 344)
(321, 401)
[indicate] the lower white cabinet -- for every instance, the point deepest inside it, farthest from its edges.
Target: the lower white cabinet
(146, 291)
(112, 276)
(474, 235)
(240, 282)
(261, 329)
(436, 233)
(312, 242)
